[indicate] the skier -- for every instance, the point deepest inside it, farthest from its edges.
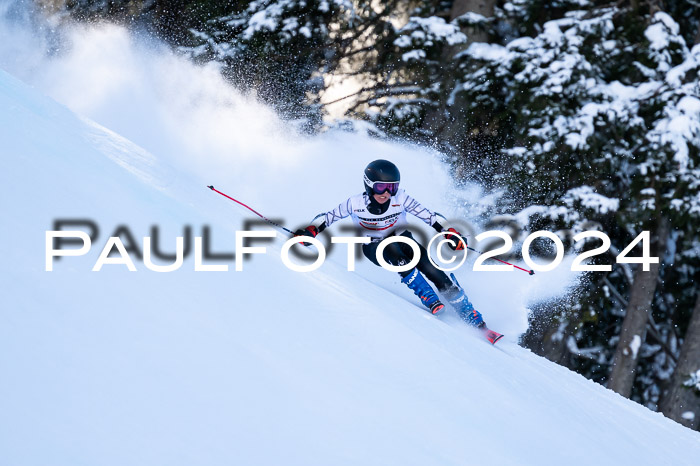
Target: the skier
(381, 212)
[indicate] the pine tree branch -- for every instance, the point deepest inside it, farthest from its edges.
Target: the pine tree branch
(369, 48)
(380, 90)
(372, 20)
(628, 274)
(364, 89)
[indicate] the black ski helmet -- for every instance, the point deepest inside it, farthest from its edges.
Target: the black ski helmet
(380, 170)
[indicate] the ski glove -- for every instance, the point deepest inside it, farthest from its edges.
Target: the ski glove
(456, 244)
(311, 231)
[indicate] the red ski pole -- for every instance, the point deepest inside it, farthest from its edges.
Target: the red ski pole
(255, 212)
(531, 272)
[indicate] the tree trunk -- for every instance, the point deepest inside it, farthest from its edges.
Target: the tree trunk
(634, 325)
(679, 399)
(446, 123)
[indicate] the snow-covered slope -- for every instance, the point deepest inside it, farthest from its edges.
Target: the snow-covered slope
(263, 366)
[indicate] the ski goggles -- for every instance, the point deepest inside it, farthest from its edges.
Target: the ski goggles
(380, 187)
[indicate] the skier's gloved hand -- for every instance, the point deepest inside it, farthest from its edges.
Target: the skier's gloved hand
(311, 231)
(456, 244)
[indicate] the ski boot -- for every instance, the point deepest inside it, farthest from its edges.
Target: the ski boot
(459, 301)
(415, 281)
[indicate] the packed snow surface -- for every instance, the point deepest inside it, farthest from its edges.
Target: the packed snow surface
(266, 365)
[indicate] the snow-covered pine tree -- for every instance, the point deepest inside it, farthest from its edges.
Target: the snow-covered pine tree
(409, 76)
(277, 48)
(600, 112)
(285, 50)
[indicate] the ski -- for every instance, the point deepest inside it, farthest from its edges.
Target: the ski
(490, 335)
